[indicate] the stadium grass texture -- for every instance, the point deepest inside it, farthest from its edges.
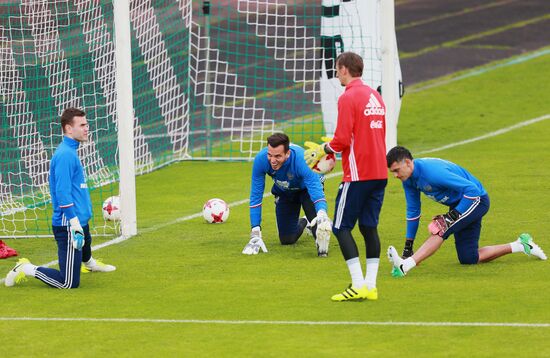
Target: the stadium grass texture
(192, 270)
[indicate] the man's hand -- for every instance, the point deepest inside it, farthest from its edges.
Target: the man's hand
(77, 233)
(441, 223)
(408, 250)
(324, 228)
(323, 220)
(256, 243)
(315, 151)
(314, 154)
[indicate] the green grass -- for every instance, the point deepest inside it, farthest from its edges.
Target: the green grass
(193, 270)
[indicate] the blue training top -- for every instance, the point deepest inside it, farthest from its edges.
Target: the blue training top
(442, 181)
(68, 188)
(294, 175)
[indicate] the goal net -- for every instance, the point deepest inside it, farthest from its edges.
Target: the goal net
(211, 80)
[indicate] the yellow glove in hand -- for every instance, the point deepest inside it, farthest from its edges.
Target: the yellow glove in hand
(315, 151)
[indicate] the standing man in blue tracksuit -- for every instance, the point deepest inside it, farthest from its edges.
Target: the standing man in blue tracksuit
(295, 186)
(451, 185)
(72, 209)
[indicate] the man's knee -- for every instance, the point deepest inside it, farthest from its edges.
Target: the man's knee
(67, 286)
(467, 251)
(470, 258)
(288, 239)
(75, 283)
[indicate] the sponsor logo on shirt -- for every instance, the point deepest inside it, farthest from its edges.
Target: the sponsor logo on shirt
(83, 186)
(442, 201)
(376, 124)
(282, 184)
(374, 108)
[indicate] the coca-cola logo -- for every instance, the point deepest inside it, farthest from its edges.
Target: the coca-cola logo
(376, 124)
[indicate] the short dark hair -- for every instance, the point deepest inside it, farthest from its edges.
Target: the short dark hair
(278, 139)
(352, 61)
(397, 154)
(68, 115)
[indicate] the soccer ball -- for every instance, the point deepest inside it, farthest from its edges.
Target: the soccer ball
(326, 164)
(111, 208)
(215, 211)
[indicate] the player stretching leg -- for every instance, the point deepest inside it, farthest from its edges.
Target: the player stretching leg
(453, 186)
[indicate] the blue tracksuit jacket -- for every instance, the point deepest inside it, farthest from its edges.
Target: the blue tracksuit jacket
(442, 181)
(68, 189)
(293, 176)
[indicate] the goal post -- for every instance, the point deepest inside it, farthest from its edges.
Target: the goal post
(125, 117)
(392, 85)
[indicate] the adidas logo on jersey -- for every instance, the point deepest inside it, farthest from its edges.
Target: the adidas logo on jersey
(374, 108)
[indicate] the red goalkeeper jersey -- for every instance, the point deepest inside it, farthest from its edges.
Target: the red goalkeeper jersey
(361, 133)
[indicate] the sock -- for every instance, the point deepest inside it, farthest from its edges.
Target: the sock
(517, 247)
(29, 269)
(356, 273)
(371, 272)
(90, 262)
(408, 264)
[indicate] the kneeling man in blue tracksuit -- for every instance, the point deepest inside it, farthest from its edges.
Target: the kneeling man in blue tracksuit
(451, 185)
(72, 209)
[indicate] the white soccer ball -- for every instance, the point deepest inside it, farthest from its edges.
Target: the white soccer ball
(326, 164)
(215, 211)
(111, 208)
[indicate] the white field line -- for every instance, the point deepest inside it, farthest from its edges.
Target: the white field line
(332, 175)
(293, 323)
(482, 70)
(488, 135)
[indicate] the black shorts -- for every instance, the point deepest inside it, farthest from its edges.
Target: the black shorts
(358, 200)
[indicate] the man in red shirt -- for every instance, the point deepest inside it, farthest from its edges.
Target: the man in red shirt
(360, 138)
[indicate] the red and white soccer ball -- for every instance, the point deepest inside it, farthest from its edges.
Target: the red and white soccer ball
(326, 164)
(111, 208)
(215, 211)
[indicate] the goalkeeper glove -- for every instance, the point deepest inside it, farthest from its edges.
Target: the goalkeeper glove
(256, 243)
(324, 227)
(315, 151)
(77, 233)
(408, 250)
(441, 223)
(323, 220)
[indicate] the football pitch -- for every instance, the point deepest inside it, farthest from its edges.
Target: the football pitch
(183, 288)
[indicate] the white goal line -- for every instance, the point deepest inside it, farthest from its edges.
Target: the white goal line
(294, 323)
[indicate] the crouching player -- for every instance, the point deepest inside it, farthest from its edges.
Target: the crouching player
(295, 186)
(71, 211)
(453, 186)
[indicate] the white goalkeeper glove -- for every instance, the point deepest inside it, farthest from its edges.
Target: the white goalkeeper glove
(77, 233)
(324, 228)
(322, 219)
(256, 243)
